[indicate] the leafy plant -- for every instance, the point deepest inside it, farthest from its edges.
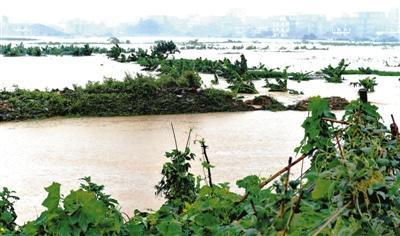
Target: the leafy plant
(280, 85)
(177, 185)
(7, 211)
(334, 74)
(299, 76)
(163, 49)
(115, 52)
(367, 83)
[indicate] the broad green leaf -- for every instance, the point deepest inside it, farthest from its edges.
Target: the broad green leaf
(169, 228)
(53, 198)
(321, 188)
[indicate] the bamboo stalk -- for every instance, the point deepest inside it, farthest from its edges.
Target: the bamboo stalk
(274, 176)
(282, 206)
(173, 131)
(294, 209)
(330, 219)
(339, 146)
(188, 139)
(335, 121)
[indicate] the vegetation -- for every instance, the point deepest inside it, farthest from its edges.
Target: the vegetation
(280, 85)
(369, 71)
(334, 74)
(71, 50)
(236, 74)
(300, 76)
(163, 49)
(266, 103)
(367, 83)
(133, 96)
(350, 188)
(178, 185)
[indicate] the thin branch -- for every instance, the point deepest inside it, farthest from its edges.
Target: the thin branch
(277, 174)
(331, 219)
(335, 121)
(339, 146)
(188, 139)
(253, 206)
(204, 147)
(173, 131)
(288, 173)
(282, 207)
(301, 173)
(295, 208)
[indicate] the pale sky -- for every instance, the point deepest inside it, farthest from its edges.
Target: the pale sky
(115, 11)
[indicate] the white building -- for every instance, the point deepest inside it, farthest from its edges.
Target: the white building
(3, 26)
(282, 27)
(341, 31)
(369, 24)
(394, 19)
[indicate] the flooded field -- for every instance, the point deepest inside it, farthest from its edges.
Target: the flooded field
(126, 153)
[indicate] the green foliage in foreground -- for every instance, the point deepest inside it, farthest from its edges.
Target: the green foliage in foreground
(367, 83)
(349, 189)
(133, 96)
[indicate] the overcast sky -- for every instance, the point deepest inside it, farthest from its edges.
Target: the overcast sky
(115, 11)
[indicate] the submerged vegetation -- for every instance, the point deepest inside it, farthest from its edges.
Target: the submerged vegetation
(367, 83)
(63, 50)
(280, 85)
(142, 95)
(369, 71)
(335, 74)
(351, 188)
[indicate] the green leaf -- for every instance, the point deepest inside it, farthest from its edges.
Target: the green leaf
(53, 198)
(250, 183)
(321, 189)
(169, 228)
(206, 165)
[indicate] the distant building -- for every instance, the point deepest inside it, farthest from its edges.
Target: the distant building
(309, 25)
(341, 32)
(299, 26)
(394, 23)
(283, 27)
(4, 22)
(369, 24)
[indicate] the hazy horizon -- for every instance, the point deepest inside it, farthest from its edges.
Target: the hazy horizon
(119, 11)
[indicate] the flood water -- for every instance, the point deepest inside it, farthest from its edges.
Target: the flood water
(126, 154)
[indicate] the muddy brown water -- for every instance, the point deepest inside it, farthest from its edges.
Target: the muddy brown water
(126, 153)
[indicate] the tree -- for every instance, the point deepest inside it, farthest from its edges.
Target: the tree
(114, 52)
(163, 49)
